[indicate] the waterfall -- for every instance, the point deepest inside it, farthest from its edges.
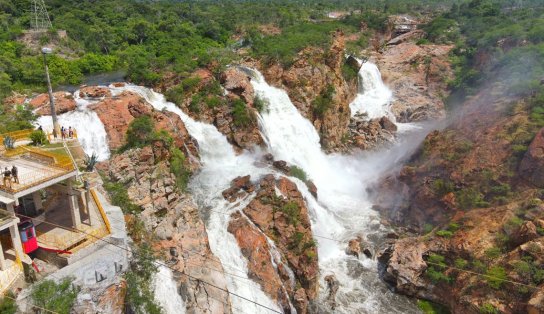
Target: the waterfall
(373, 96)
(166, 291)
(90, 130)
(220, 165)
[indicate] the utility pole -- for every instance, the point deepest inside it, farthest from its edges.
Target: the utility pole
(56, 127)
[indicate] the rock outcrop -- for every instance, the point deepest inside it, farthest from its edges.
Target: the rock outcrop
(94, 92)
(418, 74)
(311, 75)
(64, 102)
(284, 219)
(173, 218)
(117, 113)
(369, 134)
(532, 165)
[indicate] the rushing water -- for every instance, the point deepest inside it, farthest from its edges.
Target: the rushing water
(90, 130)
(166, 291)
(342, 212)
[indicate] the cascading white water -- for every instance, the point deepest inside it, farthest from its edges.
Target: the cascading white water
(166, 291)
(373, 97)
(343, 210)
(220, 165)
(90, 130)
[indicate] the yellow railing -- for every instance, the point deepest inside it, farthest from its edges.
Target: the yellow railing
(101, 210)
(17, 135)
(59, 160)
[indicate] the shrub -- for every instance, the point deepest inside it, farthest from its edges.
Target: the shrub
(177, 167)
(428, 307)
(298, 173)
(292, 212)
(323, 102)
(487, 308)
(479, 266)
(240, 113)
(470, 198)
(492, 253)
(139, 132)
(194, 105)
(495, 277)
(460, 263)
(213, 101)
(436, 268)
(260, 104)
(444, 233)
(8, 304)
(38, 137)
(442, 187)
(119, 197)
(55, 297)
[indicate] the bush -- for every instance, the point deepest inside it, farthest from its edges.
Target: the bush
(428, 307)
(323, 102)
(8, 304)
(240, 113)
(298, 173)
(38, 137)
(442, 187)
(495, 277)
(436, 268)
(177, 167)
(487, 308)
(260, 104)
(470, 198)
(292, 211)
(139, 132)
(140, 296)
(460, 263)
(492, 253)
(444, 233)
(119, 197)
(55, 297)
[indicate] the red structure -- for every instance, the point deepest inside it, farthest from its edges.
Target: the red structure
(28, 236)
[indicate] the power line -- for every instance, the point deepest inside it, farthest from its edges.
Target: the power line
(161, 264)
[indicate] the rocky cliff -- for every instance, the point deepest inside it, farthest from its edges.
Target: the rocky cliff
(172, 218)
(317, 74)
(274, 234)
(472, 194)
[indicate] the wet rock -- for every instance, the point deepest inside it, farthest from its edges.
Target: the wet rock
(312, 188)
(119, 84)
(239, 187)
(532, 165)
(238, 82)
(367, 252)
(332, 285)
(354, 63)
(268, 158)
(94, 92)
(301, 301)
(64, 102)
(173, 251)
(354, 247)
(281, 165)
(387, 125)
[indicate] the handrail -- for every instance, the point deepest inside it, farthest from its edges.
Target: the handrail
(101, 210)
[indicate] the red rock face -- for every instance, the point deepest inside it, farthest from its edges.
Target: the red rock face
(238, 83)
(532, 165)
(117, 113)
(64, 102)
(94, 92)
(283, 218)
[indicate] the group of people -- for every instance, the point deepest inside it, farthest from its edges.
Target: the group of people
(11, 175)
(67, 133)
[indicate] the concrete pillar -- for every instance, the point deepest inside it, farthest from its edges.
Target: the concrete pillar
(37, 198)
(85, 201)
(3, 265)
(10, 208)
(16, 240)
(74, 206)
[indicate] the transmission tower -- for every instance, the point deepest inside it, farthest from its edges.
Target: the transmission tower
(40, 19)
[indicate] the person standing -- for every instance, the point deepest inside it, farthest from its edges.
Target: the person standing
(7, 178)
(14, 173)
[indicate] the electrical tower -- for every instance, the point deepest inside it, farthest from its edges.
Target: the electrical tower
(40, 19)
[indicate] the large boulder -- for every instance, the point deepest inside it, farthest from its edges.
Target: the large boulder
(532, 165)
(238, 82)
(64, 102)
(93, 92)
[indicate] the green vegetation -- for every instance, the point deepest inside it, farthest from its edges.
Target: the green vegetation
(8, 304)
(487, 308)
(442, 187)
(292, 211)
(119, 196)
(298, 173)
(57, 297)
(492, 253)
(241, 114)
(436, 269)
(460, 263)
(177, 167)
(495, 276)
(140, 296)
(428, 307)
(323, 102)
(139, 133)
(260, 104)
(38, 137)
